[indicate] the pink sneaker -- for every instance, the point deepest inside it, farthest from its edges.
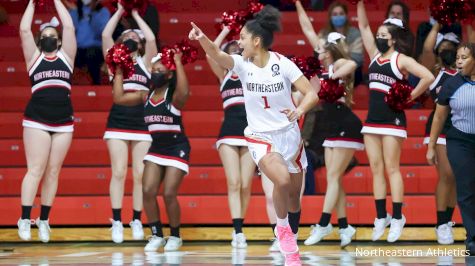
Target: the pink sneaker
(293, 259)
(288, 243)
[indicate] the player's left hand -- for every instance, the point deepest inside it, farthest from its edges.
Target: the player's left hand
(292, 115)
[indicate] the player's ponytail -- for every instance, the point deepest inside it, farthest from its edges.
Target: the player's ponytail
(265, 23)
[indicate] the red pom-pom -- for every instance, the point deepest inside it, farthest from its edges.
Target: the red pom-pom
(310, 66)
(119, 57)
(254, 7)
(189, 54)
(235, 20)
(399, 96)
(129, 5)
(450, 11)
(331, 90)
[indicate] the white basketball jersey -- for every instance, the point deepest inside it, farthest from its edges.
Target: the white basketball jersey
(267, 91)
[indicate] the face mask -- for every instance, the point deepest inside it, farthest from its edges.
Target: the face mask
(159, 79)
(86, 2)
(132, 45)
(448, 56)
(338, 21)
(382, 45)
(48, 44)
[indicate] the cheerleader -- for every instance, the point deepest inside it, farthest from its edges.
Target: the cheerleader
(439, 54)
(48, 117)
(125, 125)
(167, 159)
(343, 139)
(272, 134)
(232, 146)
(385, 129)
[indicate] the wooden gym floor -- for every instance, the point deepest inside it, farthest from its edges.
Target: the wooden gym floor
(211, 246)
(221, 253)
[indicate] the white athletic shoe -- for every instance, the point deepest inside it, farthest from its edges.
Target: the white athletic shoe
(239, 240)
(173, 243)
(24, 228)
(43, 230)
(318, 233)
(445, 235)
(275, 247)
(395, 230)
(117, 231)
(137, 229)
(379, 227)
(154, 243)
(346, 235)
(238, 256)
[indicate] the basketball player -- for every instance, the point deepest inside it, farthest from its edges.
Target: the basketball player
(272, 134)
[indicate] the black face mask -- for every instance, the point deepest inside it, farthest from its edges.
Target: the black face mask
(448, 56)
(132, 45)
(382, 45)
(48, 44)
(159, 79)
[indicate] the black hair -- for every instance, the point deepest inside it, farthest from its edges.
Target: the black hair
(171, 87)
(38, 36)
(402, 37)
(265, 23)
(454, 45)
(405, 10)
(470, 46)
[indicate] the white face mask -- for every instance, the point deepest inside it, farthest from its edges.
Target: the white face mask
(86, 2)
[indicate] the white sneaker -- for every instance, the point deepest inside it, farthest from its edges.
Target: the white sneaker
(154, 243)
(173, 243)
(275, 247)
(318, 233)
(117, 231)
(444, 234)
(395, 230)
(346, 235)
(43, 230)
(24, 228)
(239, 240)
(238, 257)
(379, 227)
(137, 229)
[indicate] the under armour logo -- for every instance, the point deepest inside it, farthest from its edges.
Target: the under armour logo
(182, 153)
(342, 133)
(397, 121)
